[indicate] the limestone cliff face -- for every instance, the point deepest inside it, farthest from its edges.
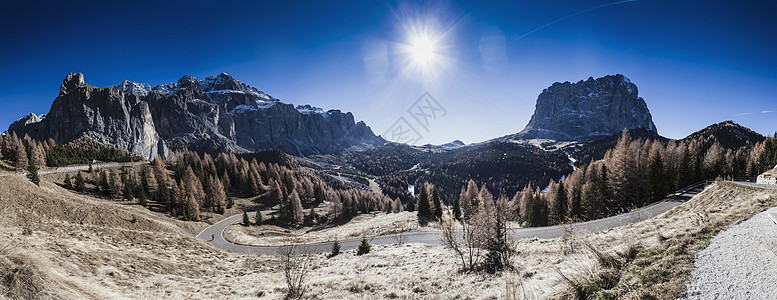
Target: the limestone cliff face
(602, 106)
(215, 114)
(105, 114)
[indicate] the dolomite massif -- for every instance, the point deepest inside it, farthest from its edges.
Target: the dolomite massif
(594, 107)
(216, 114)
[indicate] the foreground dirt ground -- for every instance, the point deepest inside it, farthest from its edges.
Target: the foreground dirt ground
(58, 244)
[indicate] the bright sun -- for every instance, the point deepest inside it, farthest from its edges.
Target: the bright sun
(423, 49)
(425, 52)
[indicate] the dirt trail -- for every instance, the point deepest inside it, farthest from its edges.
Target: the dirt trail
(739, 263)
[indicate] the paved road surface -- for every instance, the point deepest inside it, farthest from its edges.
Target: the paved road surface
(755, 185)
(433, 236)
(84, 168)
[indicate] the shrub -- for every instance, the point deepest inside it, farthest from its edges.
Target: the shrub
(498, 249)
(335, 248)
(246, 221)
(32, 174)
(80, 184)
(68, 183)
(364, 247)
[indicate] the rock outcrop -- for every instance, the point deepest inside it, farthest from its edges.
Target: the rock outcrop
(573, 111)
(212, 115)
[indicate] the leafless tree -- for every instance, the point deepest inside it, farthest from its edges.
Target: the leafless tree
(399, 235)
(467, 243)
(295, 262)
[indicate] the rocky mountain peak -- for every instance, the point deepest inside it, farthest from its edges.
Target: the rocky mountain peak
(187, 80)
(594, 107)
(71, 82)
(216, 114)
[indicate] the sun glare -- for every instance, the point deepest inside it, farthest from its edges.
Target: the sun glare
(423, 49)
(425, 52)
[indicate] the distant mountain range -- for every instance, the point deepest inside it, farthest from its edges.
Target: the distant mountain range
(216, 114)
(573, 123)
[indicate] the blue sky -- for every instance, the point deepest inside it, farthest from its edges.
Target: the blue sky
(695, 62)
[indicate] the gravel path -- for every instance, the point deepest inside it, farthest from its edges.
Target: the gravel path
(739, 263)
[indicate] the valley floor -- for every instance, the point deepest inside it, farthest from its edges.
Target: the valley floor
(59, 244)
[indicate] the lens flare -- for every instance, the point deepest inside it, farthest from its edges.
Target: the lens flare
(423, 49)
(425, 53)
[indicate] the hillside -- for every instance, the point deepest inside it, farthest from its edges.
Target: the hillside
(503, 166)
(68, 246)
(727, 134)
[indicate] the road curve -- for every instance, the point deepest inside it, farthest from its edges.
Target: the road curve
(215, 232)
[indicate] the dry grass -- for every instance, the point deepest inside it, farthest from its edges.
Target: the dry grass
(659, 263)
(19, 278)
(362, 225)
(80, 247)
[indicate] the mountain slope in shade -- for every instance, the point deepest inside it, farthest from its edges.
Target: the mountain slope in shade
(218, 113)
(595, 107)
(728, 134)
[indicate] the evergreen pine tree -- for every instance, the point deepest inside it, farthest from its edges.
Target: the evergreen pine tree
(258, 219)
(593, 201)
(319, 194)
(103, 182)
(656, 179)
(410, 205)
(80, 184)
(364, 247)
(90, 167)
(436, 204)
(246, 221)
(68, 183)
(142, 198)
(574, 209)
(32, 173)
(559, 209)
(129, 192)
(498, 250)
(540, 211)
(335, 248)
(423, 204)
(163, 196)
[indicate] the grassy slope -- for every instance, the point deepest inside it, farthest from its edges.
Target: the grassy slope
(81, 248)
(659, 268)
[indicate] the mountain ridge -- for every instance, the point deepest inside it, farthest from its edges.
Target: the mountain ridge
(216, 114)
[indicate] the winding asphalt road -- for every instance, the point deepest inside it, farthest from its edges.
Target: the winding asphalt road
(433, 236)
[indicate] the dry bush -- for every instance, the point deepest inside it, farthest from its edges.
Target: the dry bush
(569, 239)
(18, 278)
(294, 262)
(467, 243)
